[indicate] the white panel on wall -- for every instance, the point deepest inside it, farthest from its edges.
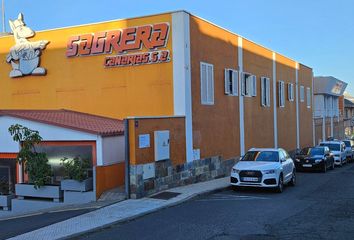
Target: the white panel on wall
(162, 145)
(148, 171)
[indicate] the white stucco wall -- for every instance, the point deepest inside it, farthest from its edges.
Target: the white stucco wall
(113, 149)
(47, 132)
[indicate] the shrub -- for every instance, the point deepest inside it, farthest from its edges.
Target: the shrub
(75, 168)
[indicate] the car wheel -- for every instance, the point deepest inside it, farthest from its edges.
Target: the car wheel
(293, 179)
(279, 188)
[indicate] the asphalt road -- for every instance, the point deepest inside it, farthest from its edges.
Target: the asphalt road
(19, 225)
(320, 206)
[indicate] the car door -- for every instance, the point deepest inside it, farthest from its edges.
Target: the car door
(286, 163)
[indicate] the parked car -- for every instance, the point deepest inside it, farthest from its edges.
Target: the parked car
(349, 149)
(300, 154)
(315, 158)
(264, 167)
(338, 150)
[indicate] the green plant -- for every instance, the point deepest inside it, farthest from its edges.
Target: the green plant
(4, 187)
(75, 168)
(36, 163)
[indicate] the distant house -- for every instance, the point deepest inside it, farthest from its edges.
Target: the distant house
(328, 107)
(348, 114)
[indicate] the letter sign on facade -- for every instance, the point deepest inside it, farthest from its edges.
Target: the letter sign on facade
(121, 41)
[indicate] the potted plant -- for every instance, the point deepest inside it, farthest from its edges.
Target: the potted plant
(76, 175)
(36, 166)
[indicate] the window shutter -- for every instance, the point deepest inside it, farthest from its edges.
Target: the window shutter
(203, 83)
(235, 83)
(254, 86)
(243, 84)
(210, 89)
(263, 92)
(227, 81)
(268, 92)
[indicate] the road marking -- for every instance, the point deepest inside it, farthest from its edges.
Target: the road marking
(227, 197)
(22, 216)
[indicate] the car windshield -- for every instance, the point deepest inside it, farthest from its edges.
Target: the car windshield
(347, 144)
(261, 156)
(305, 151)
(316, 151)
(331, 146)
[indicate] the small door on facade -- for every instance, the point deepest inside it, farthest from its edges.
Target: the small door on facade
(7, 176)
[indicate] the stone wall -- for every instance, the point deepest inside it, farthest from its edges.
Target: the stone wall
(169, 176)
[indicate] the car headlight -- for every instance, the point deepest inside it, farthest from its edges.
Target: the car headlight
(272, 171)
(297, 160)
(318, 160)
(234, 170)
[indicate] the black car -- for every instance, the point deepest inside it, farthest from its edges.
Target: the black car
(315, 158)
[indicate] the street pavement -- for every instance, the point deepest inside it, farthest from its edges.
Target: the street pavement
(320, 206)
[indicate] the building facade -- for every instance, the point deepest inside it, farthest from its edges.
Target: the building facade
(328, 108)
(189, 89)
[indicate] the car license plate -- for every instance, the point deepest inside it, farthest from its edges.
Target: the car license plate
(307, 165)
(250, 179)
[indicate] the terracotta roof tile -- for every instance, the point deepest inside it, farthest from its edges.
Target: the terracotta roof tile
(70, 119)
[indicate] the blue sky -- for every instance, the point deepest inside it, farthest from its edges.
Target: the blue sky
(317, 33)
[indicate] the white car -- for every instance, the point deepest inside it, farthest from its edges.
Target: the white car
(338, 150)
(349, 149)
(264, 167)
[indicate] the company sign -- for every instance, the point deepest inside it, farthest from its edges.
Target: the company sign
(123, 41)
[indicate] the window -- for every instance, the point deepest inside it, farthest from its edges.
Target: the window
(308, 97)
(231, 82)
(291, 92)
(207, 83)
(281, 94)
(265, 91)
(249, 85)
(302, 94)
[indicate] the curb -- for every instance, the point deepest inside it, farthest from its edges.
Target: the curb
(127, 219)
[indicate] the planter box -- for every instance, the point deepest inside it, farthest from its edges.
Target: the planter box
(5, 201)
(76, 186)
(47, 191)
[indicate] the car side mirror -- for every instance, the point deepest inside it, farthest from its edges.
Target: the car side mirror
(282, 160)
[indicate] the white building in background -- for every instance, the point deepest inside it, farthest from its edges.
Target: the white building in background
(328, 107)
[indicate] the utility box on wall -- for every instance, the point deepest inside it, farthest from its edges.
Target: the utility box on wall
(162, 145)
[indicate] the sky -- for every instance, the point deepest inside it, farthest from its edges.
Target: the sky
(317, 33)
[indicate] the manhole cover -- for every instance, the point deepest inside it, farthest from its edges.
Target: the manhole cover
(165, 195)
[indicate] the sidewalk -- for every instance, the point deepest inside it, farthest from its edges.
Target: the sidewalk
(122, 211)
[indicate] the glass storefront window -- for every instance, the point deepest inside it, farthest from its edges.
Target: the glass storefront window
(56, 153)
(7, 176)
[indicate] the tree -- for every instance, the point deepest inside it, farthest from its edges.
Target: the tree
(36, 163)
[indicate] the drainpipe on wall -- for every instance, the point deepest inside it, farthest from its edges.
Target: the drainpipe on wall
(127, 159)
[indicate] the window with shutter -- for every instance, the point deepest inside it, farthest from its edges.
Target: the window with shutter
(231, 82)
(281, 94)
(302, 93)
(207, 83)
(249, 85)
(291, 92)
(265, 92)
(308, 93)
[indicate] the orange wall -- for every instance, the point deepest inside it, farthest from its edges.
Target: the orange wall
(259, 121)
(176, 126)
(83, 84)
(306, 121)
(108, 177)
(286, 117)
(215, 128)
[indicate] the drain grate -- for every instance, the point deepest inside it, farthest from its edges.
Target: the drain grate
(165, 195)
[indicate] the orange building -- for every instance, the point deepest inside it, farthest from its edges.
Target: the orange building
(188, 88)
